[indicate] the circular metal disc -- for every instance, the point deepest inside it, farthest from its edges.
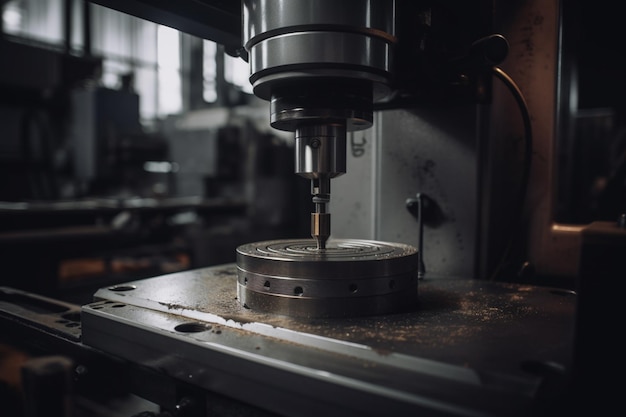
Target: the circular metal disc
(348, 278)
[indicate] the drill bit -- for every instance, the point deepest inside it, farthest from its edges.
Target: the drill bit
(320, 219)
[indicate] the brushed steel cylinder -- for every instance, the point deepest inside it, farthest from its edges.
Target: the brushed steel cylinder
(290, 40)
(262, 16)
(320, 151)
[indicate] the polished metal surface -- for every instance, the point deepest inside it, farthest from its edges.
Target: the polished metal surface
(347, 278)
(350, 108)
(276, 14)
(321, 47)
(291, 37)
(321, 150)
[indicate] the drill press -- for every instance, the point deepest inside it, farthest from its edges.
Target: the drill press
(322, 64)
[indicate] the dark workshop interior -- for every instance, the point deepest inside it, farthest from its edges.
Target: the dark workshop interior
(166, 243)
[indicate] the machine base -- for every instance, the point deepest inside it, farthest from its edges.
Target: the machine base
(471, 348)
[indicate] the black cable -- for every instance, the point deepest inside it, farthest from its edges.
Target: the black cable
(528, 150)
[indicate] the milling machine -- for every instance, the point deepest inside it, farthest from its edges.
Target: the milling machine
(335, 325)
(322, 65)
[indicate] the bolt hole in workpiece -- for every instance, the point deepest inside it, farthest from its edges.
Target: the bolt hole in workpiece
(192, 327)
(73, 316)
(122, 288)
(101, 304)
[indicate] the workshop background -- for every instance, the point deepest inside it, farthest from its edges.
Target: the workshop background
(128, 149)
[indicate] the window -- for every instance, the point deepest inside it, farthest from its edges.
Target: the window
(236, 72)
(149, 53)
(128, 45)
(39, 20)
(12, 17)
(209, 71)
(170, 86)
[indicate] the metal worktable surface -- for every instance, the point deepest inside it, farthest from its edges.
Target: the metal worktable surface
(470, 347)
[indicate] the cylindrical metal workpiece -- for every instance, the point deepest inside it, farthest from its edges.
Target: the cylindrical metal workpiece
(348, 278)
